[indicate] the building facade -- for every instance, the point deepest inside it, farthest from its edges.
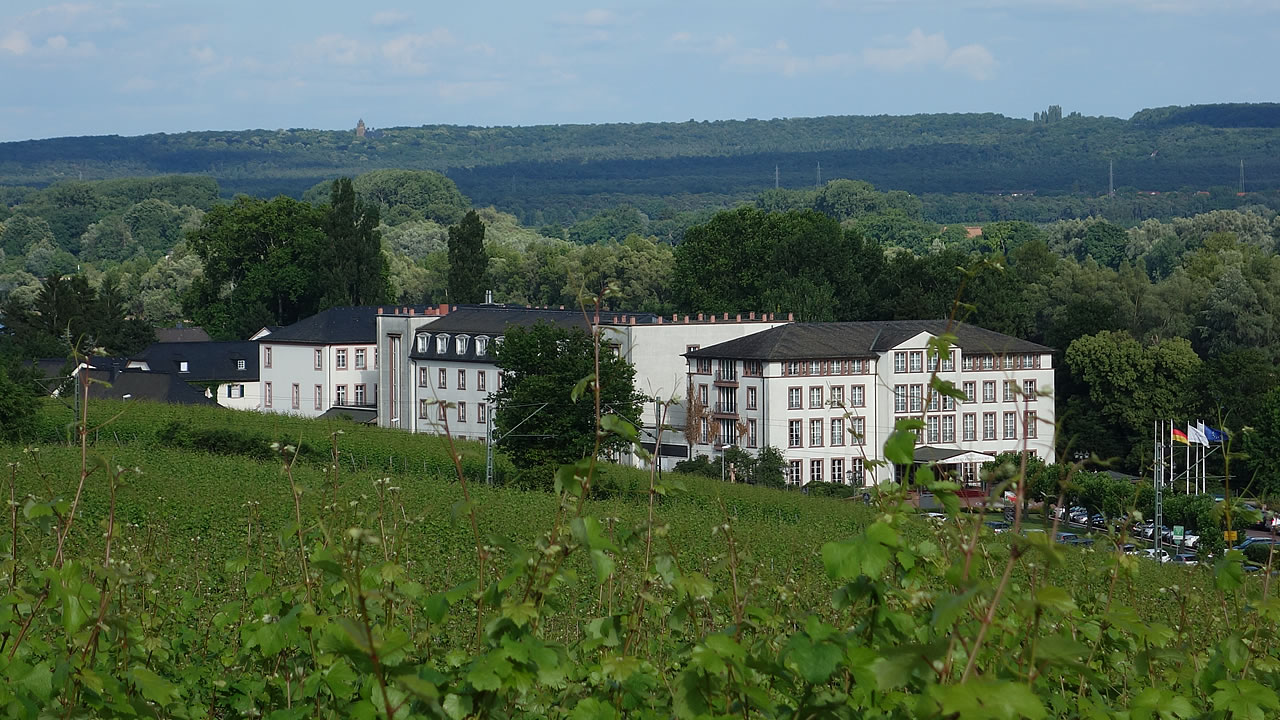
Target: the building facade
(226, 371)
(827, 395)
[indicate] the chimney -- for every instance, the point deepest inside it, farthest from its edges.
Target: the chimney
(488, 297)
(699, 317)
(675, 317)
(739, 317)
(726, 316)
(631, 320)
(752, 316)
(444, 308)
(791, 317)
(686, 319)
(411, 311)
(713, 318)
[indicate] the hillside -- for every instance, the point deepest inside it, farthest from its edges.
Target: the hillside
(550, 173)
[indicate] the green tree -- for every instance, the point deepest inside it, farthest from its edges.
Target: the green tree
(356, 268)
(542, 365)
(1104, 242)
(264, 264)
(468, 260)
(17, 407)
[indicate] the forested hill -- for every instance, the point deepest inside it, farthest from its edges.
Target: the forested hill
(553, 172)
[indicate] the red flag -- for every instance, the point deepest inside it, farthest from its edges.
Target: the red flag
(1179, 436)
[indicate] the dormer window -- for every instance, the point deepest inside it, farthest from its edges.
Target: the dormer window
(460, 344)
(424, 341)
(240, 364)
(442, 344)
(482, 344)
(183, 366)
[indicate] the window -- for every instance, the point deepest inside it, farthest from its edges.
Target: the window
(1030, 423)
(240, 364)
(793, 472)
(703, 397)
(319, 396)
(340, 395)
(917, 397)
(932, 360)
(266, 394)
(726, 400)
(360, 358)
(948, 402)
(858, 430)
(499, 379)
(899, 362)
(815, 433)
(793, 398)
(815, 398)
(856, 473)
(705, 429)
(1010, 391)
(970, 389)
(1029, 389)
(462, 379)
(948, 428)
(857, 396)
(900, 398)
(815, 367)
(857, 367)
(751, 433)
(442, 344)
(296, 396)
(949, 362)
(266, 356)
(1010, 426)
(704, 366)
(791, 368)
(793, 433)
(837, 396)
(837, 470)
(988, 362)
(235, 390)
(360, 393)
(815, 471)
(966, 362)
(481, 380)
(318, 359)
(752, 368)
(482, 416)
(751, 399)
(422, 341)
(462, 412)
(1008, 362)
(460, 344)
(931, 427)
(988, 391)
(340, 359)
(442, 379)
(970, 427)
(837, 431)
(183, 366)
(482, 345)
(988, 426)
(691, 348)
(916, 356)
(440, 409)
(934, 396)
(728, 370)
(1030, 360)
(422, 377)
(728, 433)
(422, 409)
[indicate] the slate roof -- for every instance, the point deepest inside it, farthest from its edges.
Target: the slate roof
(493, 320)
(181, 334)
(206, 361)
(337, 325)
(802, 341)
(150, 386)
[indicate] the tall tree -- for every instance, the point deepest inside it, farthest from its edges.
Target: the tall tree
(468, 260)
(357, 269)
(543, 364)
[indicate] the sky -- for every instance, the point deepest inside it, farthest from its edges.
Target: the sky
(132, 68)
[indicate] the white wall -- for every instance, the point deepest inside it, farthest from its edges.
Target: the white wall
(295, 363)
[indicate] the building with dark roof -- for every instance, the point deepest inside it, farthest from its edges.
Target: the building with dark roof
(324, 361)
(227, 371)
(147, 386)
(828, 395)
(182, 334)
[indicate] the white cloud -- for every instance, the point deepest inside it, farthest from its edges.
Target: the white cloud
(339, 49)
(596, 17)
(384, 18)
(404, 52)
(138, 83)
(16, 42)
(680, 38)
(203, 55)
(918, 51)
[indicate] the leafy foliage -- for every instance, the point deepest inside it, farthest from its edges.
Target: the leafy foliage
(468, 260)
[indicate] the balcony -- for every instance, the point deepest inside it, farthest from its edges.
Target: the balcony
(726, 379)
(725, 410)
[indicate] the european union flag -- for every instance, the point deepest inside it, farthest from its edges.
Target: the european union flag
(1214, 436)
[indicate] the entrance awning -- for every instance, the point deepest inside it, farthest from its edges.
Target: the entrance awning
(926, 454)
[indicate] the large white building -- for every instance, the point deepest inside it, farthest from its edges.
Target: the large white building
(827, 395)
(327, 362)
(440, 369)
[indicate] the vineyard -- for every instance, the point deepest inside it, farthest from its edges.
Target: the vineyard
(344, 571)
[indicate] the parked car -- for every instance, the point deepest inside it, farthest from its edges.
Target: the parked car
(1254, 540)
(997, 526)
(1160, 555)
(1129, 549)
(1185, 559)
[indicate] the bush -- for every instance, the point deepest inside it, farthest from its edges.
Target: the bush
(17, 409)
(225, 441)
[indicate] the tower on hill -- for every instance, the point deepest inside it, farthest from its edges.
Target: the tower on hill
(360, 128)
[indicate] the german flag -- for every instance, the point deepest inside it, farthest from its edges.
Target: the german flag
(1179, 436)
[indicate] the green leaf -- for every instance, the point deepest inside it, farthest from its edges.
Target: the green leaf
(592, 709)
(153, 687)
(900, 448)
(1245, 699)
(437, 606)
(1228, 571)
(989, 700)
(257, 583)
(619, 426)
(457, 707)
(581, 387)
(1055, 598)
(814, 661)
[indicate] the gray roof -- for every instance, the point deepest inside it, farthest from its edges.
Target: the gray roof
(206, 361)
(803, 341)
(493, 320)
(336, 325)
(181, 334)
(151, 386)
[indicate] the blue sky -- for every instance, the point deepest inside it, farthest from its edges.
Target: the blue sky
(129, 68)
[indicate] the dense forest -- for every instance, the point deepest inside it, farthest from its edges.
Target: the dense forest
(1040, 170)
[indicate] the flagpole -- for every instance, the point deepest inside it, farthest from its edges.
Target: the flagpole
(1188, 466)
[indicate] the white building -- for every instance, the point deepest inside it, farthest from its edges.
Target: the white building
(227, 371)
(440, 371)
(827, 395)
(327, 362)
